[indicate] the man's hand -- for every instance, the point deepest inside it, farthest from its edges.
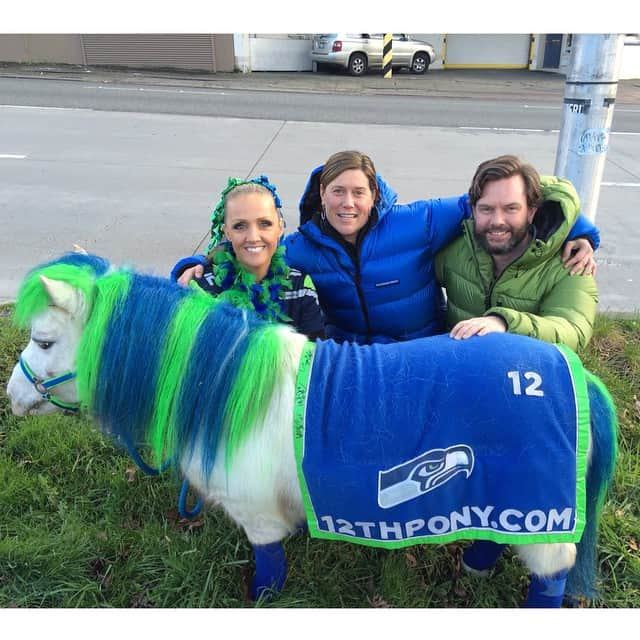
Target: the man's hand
(190, 274)
(581, 262)
(478, 327)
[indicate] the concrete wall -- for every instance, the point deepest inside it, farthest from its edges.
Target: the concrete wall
(280, 52)
(210, 52)
(38, 48)
(436, 40)
(630, 66)
(223, 51)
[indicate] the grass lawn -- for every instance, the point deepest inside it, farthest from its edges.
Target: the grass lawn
(82, 527)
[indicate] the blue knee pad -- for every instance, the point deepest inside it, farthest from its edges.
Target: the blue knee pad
(271, 570)
(546, 592)
(482, 555)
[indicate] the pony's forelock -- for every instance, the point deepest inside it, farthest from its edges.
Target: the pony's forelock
(77, 270)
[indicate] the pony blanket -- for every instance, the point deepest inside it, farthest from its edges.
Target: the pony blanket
(435, 440)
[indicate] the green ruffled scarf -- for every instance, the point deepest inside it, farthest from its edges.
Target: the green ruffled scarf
(239, 287)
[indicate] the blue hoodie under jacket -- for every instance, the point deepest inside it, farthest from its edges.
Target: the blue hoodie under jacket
(384, 290)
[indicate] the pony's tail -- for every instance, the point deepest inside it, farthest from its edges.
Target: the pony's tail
(604, 450)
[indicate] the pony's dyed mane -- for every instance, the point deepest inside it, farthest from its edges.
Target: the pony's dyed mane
(161, 364)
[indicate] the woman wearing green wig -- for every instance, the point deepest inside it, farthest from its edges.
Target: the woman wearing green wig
(247, 266)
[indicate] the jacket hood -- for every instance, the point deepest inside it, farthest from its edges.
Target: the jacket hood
(558, 212)
(310, 200)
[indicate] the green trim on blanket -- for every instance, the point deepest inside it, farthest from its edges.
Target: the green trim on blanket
(299, 411)
(584, 427)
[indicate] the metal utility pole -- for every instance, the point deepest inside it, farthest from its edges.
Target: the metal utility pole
(590, 93)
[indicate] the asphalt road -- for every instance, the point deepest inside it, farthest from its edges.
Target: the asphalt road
(137, 184)
(528, 112)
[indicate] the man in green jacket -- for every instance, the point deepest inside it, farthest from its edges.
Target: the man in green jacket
(505, 273)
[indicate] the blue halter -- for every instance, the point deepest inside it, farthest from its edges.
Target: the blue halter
(42, 386)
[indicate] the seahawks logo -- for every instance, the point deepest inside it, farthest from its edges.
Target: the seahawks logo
(425, 473)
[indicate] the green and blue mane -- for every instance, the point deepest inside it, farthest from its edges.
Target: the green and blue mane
(162, 365)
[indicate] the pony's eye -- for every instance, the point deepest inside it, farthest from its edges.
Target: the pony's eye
(44, 345)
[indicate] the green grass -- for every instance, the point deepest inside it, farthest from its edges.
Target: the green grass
(81, 527)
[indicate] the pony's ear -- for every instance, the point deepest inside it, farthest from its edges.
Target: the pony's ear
(78, 249)
(64, 296)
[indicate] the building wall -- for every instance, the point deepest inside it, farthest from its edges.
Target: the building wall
(207, 52)
(489, 51)
(39, 48)
(630, 66)
(436, 40)
(280, 52)
(629, 63)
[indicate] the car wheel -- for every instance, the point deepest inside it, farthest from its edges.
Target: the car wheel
(357, 64)
(420, 63)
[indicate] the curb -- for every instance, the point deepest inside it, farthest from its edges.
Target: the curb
(441, 83)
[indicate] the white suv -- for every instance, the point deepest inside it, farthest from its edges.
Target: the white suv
(358, 52)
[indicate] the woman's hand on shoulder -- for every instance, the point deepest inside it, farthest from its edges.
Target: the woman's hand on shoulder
(577, 255)
(191, 274)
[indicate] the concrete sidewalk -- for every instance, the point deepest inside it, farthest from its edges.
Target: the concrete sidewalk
(463, 83)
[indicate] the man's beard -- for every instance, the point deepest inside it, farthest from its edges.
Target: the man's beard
(516, 237)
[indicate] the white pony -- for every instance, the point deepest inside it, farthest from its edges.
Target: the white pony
(386, 445)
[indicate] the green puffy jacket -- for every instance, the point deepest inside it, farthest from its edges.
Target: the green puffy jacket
(535, 294)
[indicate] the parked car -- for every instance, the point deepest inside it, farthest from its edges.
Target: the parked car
(357, 52)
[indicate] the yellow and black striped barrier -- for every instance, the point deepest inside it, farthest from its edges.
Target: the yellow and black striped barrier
(387, 55)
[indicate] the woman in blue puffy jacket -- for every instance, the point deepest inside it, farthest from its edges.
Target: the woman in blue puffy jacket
(371, 259)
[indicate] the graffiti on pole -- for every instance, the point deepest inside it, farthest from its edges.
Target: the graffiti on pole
(593, 142)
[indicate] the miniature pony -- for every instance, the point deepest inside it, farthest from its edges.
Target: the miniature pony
(231, 401)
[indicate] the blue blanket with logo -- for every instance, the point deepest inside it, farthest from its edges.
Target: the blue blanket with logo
(434, 440)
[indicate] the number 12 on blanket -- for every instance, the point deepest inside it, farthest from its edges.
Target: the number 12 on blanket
(532, 388)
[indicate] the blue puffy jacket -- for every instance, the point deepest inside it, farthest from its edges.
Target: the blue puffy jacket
(385, 290)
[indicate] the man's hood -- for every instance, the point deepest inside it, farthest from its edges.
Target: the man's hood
(310, 200)
(559, 210)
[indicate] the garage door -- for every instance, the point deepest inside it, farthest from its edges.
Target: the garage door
(188, 51)
(490, 51)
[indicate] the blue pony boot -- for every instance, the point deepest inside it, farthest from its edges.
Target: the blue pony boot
(271, 570)
(481, 556)
(546, 592)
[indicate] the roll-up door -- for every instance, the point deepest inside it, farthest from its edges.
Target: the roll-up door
(185, 51)
(489, 51)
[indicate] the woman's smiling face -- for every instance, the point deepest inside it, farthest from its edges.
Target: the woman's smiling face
(348, 201)
(253, 227)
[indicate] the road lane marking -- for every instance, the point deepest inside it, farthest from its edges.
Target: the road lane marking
(12, 156)
(621, 184)
(515, 130)
(511, 130)
(26, 106)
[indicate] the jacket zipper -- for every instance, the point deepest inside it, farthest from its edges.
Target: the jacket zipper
(363, 305)
(357, 283)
